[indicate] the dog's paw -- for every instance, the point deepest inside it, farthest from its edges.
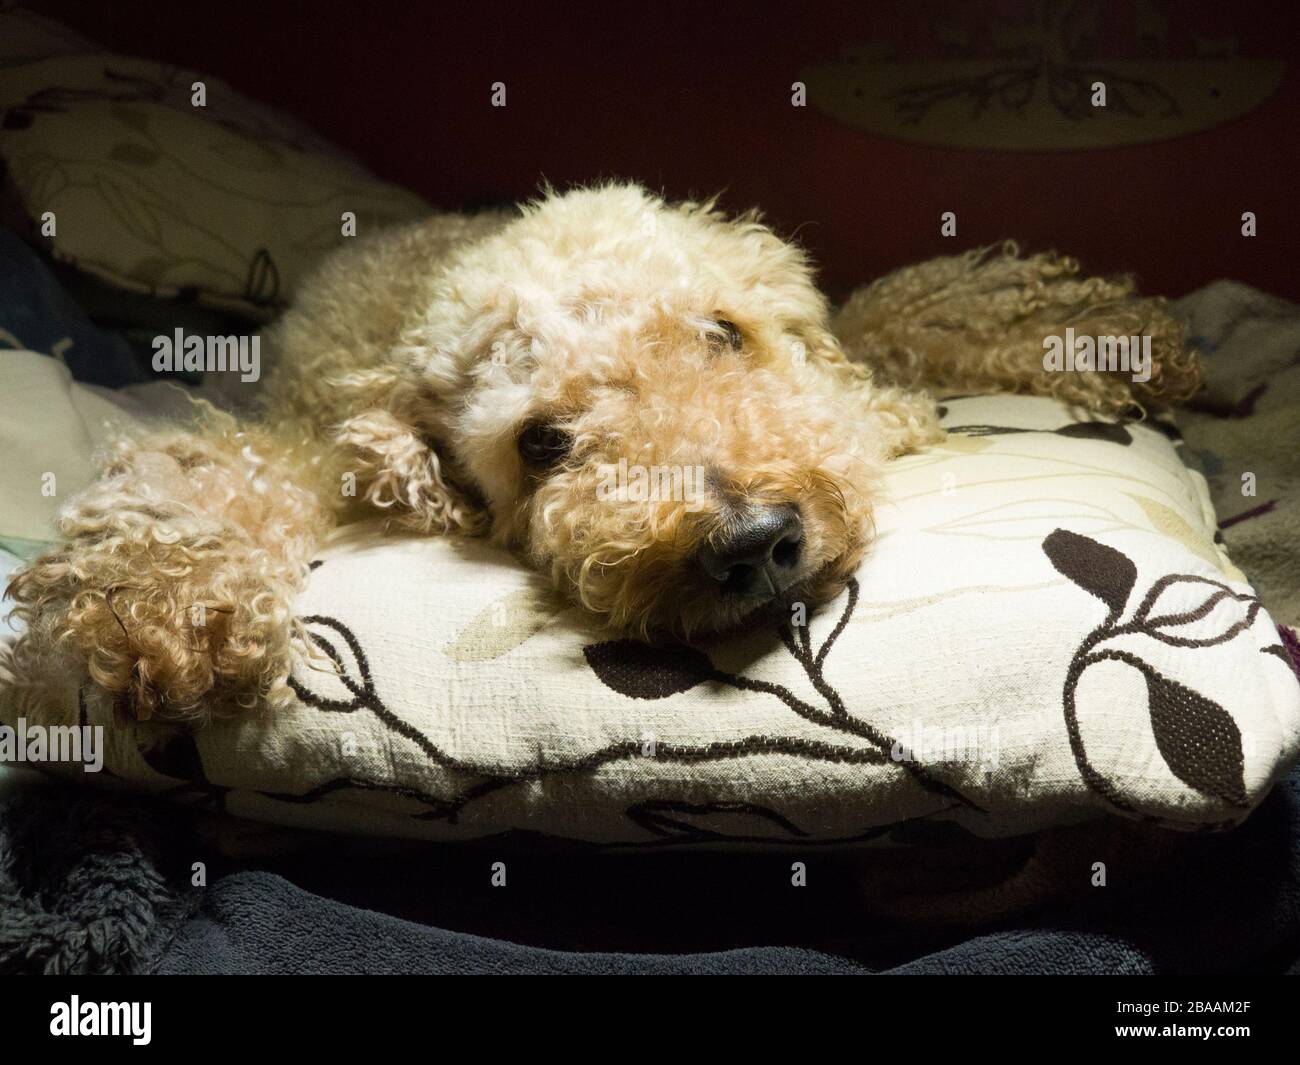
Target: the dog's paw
(174, 583)
(177, 624)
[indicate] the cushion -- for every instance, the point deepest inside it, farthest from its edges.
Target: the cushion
(1045, 631)
(227, 204)
(26, 36)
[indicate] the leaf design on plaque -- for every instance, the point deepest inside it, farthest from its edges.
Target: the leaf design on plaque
(1097, 569)
(642, 671)
(1197, 738)
(1014, 85)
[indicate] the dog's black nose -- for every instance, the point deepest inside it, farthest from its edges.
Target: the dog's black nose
(755, 555)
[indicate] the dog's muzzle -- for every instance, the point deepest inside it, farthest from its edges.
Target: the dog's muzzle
(755, 556)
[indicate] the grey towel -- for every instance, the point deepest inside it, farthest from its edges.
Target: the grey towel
(90, 883)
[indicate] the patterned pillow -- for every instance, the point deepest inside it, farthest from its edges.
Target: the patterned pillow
(1045, 631)
(227, 204)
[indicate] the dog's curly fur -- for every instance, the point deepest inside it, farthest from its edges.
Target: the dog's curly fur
(663, 335)
(976, 323)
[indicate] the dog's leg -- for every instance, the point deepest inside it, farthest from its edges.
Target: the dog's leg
(175, 582)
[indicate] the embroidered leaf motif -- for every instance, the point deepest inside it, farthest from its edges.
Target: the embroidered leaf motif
(1184, 610)
(986, 430)
(1097, 569)
(342, 682)
(1110, 432)
(1198, 738)
(1023, 519)
(1170, 522)
(262, 285)
(133, 212)
(1279, 651)
(504, 625)
(965, 445)
(1107, 431)
(1288, 650)
(641, 671)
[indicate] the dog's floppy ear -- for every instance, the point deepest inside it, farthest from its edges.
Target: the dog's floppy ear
(902, 420)
(398, 467)
(820, 348)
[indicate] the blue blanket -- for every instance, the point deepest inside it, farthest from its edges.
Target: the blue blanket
(37, 315)
(116, 896)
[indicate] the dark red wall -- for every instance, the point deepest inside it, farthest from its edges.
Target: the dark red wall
(695, 98)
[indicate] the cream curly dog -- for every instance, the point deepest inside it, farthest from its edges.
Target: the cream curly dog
(482, 375)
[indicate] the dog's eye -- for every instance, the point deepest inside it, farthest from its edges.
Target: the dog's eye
(542, 445)
(731, 335)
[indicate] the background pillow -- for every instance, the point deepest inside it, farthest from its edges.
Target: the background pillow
(1200, 98)
(228, 204)
(1045, 631)
(26, 36)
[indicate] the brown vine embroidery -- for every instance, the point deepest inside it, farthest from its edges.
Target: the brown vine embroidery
(1108, 432)
(661, 676)
(643, 671)
(1198, 738)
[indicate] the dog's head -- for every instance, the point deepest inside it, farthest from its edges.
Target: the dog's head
(642, 398)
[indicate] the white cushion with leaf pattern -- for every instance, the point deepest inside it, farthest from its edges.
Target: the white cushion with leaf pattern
(1045, 631)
